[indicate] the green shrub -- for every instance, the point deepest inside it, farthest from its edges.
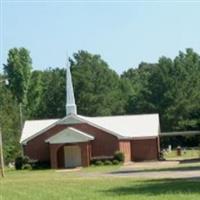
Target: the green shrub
(39, 164)
(20, 161)
(99, 163)
(161, 156)
(119, 156)
(26, 160)
(92, 162)
(27, 166)
(107, 162)
(115, 162)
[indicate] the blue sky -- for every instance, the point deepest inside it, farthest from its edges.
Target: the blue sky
(123, 33)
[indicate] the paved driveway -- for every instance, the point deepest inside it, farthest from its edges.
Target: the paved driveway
(158, 174)
(155, 170)
(145, 170)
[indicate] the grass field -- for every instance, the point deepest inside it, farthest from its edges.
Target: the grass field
(187, 154)
(52, 185)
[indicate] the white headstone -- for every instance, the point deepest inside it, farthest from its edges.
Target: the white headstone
(169, 148)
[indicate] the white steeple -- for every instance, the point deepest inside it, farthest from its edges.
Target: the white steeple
(70, 100)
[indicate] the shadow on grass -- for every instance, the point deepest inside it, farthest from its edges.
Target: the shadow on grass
(158, 187)
(195, 160)
(189, 168)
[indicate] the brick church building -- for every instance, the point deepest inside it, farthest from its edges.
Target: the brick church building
(75, 140)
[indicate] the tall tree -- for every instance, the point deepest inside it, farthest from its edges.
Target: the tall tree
(185, 109)
(138, 101)
(170, 88)
(9, 122)
(51, 103)
(97, 88)
(18, 71)
(34, 94)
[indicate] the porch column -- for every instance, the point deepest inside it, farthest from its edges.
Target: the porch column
(53, 155)
(85, 154)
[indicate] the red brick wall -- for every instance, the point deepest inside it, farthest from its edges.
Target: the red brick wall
(144, 149)
(37, 148)
(125, 147)
(104, 144)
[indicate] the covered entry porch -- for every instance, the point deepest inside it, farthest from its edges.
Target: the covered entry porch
(70, 148)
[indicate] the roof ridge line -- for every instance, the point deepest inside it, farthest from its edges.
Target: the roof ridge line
(120, 115)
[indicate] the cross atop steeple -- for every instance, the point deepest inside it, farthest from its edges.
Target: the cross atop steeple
(70, 100)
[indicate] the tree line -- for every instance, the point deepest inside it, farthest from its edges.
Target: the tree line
(170, 87)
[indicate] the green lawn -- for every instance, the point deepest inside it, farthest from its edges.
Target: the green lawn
(188, 154)
(52, 185)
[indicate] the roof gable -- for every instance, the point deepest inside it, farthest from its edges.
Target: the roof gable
(70, 119)
(32, 128)
(69, 135)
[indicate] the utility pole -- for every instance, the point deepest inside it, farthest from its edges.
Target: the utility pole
(1, 142)
(1, 155)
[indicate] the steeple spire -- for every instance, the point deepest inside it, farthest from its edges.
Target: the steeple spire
(70, 100)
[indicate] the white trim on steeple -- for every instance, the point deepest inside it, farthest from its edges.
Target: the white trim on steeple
(70, 100)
